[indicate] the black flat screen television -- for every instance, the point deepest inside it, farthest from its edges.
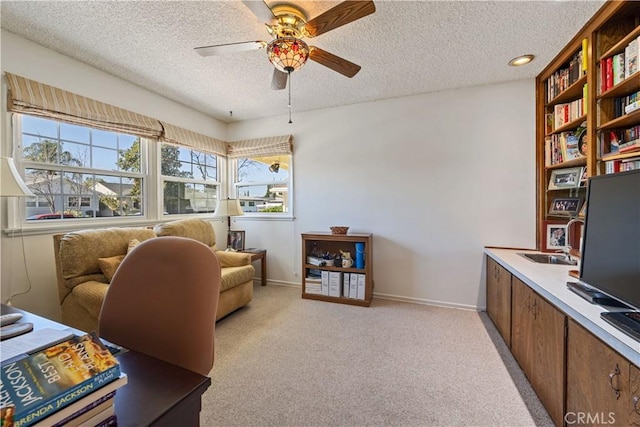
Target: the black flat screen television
(610, 255)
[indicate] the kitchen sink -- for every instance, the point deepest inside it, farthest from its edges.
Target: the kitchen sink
(549, 259)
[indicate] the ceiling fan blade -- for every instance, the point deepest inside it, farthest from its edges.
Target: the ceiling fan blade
(261, 10)
(338, 16)
(334, 62)
(279, 79)
(222, 49)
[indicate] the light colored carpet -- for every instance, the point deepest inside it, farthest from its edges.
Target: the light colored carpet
(285, 361)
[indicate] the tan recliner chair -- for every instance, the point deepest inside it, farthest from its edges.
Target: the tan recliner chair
(162, 302)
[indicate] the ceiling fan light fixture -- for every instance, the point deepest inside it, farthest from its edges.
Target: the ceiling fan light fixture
(287, 54)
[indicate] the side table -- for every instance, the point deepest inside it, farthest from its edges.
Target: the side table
(259, 254)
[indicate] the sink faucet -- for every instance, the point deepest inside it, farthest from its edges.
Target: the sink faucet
(567, 246)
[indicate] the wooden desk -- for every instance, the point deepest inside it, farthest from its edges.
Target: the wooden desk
(259, 254)
(157, 393)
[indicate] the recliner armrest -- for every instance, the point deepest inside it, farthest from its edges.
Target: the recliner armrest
(233, 259)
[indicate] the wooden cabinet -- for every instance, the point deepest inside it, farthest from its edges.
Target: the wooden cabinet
(537, 343)
(602, 386)
(316, 244)
(499, 298)
(574, 101)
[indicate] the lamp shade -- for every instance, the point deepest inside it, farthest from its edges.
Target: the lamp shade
(11, 184)
(228, 208)
(287, 53)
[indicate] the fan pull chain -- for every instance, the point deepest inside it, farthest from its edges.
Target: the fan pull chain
(289, 96)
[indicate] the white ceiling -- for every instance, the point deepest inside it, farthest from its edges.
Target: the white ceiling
(404, 48)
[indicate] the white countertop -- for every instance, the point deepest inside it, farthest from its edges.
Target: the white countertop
(550, 281)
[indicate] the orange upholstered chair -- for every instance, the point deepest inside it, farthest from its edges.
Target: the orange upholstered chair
(162, 302)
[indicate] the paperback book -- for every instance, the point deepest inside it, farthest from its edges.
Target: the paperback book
(38, 385)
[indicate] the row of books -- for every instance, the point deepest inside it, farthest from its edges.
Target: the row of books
(623, 140)
(565, 113)
(562, 147)
(565, 77)
(626, 104)
(621, 165)
(337, 284)
(615, 69)
(71, 383)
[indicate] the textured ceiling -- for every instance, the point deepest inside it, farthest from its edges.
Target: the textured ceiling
(404, 48)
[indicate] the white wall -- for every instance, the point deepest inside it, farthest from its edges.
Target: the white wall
(27, 59)
(434, 177)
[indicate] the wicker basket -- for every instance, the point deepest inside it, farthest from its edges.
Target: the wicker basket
(339, 230)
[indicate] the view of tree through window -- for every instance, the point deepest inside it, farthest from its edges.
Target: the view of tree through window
(77, 172)
(262, 184)
(190, 180)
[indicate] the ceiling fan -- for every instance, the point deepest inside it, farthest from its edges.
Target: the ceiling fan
(288, 25)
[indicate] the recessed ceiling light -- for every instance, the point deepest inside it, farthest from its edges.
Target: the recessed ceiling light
(521, 60)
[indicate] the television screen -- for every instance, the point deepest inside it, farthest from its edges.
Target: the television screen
(610, 259)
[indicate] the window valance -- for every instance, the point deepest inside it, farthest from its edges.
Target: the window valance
(260, 147)
(177, 135)
(38, 99)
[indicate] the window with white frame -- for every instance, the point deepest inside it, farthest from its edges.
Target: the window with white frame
(189, 180)
(262, 184)
(78, 171)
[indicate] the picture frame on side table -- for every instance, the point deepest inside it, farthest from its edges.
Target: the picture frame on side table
(235, 240)
(565, 206)
(565, 178)
(554, 236)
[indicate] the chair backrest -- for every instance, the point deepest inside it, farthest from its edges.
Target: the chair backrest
(162, 302)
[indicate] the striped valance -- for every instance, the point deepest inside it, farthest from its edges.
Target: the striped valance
(260, 147)
(185, 137)
(38, 99)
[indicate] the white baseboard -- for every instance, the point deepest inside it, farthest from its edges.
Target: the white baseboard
(390, 297)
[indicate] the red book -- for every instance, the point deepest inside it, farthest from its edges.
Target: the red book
(609, 72)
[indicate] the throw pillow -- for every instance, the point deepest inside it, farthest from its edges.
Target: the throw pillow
(108, 266)
(132, 244)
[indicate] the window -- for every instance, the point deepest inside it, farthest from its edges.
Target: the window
(189, 180)
(264, 184)
(78, 171)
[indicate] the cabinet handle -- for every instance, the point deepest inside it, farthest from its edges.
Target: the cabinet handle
(615, 373)
(636, 399)
(527, 302)
(534, 309)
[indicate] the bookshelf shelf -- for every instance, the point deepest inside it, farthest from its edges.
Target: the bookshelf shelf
(327, 283)
(597, 48)
(572, 92)
(623, 121)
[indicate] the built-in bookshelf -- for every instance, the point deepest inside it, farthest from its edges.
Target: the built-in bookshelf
(588, 111)
(324, 275)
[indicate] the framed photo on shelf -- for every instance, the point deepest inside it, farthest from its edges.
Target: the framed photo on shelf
(554, 236)
(235, 240)
(583, 177)
(565, 178)
(566, 206)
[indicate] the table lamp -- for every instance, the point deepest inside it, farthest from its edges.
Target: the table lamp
(12, 185)
(228, 208)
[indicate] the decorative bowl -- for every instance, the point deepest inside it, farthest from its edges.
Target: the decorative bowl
(339, 230)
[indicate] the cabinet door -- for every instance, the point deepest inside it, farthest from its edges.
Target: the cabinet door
(597, 381)
(522, 325)
(634, 402)
(547, 376)
(499, 298)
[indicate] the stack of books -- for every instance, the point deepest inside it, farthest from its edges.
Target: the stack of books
(72, 383)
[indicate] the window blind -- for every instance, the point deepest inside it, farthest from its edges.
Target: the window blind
(38, 99)
(260, 147)
(180, 136)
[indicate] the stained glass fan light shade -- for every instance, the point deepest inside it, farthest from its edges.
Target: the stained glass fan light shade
(288, 54)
